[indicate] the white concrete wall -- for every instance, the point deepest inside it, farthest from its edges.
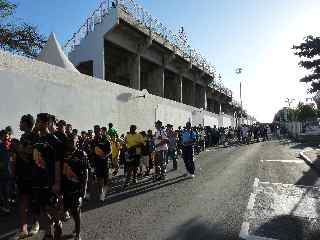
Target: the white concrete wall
(227, 120)
(212, 120)
(29, 86)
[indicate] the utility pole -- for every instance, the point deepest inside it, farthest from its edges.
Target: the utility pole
(239, 71)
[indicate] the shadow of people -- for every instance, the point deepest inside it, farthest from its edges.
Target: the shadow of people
(311, 176)
(285, 227)
(118, 193)
(200, 230)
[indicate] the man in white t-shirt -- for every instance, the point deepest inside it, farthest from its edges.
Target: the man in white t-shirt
(161, 148)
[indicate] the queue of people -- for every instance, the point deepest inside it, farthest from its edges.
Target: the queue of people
(243, 134)
(52, 168)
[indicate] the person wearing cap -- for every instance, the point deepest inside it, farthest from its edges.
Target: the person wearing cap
(172, 146)
(188, 141)
(161, 144)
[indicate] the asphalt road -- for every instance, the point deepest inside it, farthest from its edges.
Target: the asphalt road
(210, 206)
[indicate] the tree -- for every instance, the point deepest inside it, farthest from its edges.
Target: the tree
(310, 52)
(6, 8)
(305, 112)
(20, 38)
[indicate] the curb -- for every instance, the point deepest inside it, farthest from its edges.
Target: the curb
(306, 158)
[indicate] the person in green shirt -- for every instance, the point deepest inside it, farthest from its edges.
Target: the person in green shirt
(112, 132)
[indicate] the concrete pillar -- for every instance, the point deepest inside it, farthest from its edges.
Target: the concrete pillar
(220, 120)
(99, 62)
(158, 81)
(135, 72)
(180, 85)
(205, 105)
(193, 94)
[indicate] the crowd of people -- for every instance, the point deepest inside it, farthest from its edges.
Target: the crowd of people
(244, 134)
(52, 168)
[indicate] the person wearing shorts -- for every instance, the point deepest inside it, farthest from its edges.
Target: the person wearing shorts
(75, 171)
(101, 153)
(134, 142)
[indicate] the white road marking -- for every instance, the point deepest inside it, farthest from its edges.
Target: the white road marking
(290, 185)
(256, 183)
(244, 232)
(284, 160)
(251, 202)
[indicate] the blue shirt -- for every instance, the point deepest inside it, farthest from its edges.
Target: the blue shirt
(188, 136)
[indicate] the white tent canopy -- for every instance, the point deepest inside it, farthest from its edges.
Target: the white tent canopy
(53, 54)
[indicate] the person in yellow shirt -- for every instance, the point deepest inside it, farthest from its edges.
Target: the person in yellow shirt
(134, 141)
(115, 149)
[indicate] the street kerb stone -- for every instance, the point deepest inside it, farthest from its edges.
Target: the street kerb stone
(282, 211)
(312, 157)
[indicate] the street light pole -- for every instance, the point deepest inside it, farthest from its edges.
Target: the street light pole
(239, 71)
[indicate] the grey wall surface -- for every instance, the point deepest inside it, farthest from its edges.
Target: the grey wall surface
(30, 86)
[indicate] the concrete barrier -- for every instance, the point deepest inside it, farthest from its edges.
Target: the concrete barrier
(30, 86)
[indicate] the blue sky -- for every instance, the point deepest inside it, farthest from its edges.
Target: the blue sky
(254, 34)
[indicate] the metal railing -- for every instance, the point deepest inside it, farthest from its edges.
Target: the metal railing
(144, 18)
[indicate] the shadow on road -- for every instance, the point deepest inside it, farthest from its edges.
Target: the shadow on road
(288, 227)
(284, 227)
(118, 193)
(197, 229)
(311, 176)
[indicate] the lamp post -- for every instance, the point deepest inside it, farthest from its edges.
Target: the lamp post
(235, 116)
(239, 71)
